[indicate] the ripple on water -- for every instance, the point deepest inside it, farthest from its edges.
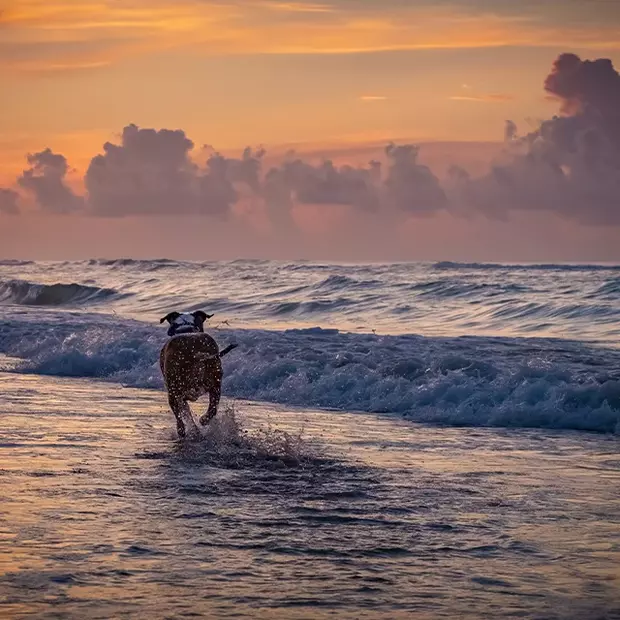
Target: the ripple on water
(253, 521)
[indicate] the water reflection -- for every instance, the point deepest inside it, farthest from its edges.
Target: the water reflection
(294, 514)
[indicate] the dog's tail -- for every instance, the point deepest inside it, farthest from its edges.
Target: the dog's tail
(213, 356)
(228, 349)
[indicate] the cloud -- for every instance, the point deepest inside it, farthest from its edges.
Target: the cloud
(409, 186)
(373, 98)
(8, 202)
(587, 87)
(151, 173)
(32, 51)
(297, 181)
(297, 7)
(571, 164)
(42, 36)
(45, 179)
(484, 98)
(510, 131)
(226, 179)
(568, 166)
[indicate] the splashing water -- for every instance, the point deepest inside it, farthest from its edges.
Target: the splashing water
(227, 443)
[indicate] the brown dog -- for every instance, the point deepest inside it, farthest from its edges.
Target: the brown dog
(191, 365)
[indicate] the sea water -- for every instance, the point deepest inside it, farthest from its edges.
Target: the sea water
(407, 440)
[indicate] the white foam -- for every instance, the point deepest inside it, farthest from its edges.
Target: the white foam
(460, 381)
(228, 441)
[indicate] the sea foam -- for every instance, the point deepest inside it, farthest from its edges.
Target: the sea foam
(472, 381)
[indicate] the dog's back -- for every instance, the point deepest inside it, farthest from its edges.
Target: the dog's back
(191, 365)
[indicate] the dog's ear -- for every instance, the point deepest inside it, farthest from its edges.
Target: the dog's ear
(171, 316)
(201, 316)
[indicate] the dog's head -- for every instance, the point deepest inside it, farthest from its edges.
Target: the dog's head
(186, 322)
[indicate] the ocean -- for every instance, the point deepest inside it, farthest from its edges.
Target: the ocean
(395, 440)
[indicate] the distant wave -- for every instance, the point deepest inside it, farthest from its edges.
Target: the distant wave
(525, 266)
(308, 266)
(448, 298)
(340, 282)
(305, 308)
(609, 290)
(12, 262)
(469, 381)
(143, 264)
(461, 288)
(31, 294)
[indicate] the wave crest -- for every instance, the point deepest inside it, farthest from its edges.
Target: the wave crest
(446, 264)
(469, 381)
(26, 293)
(14, 262)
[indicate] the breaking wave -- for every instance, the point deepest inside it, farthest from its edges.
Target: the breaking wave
(13, 262)
(610, 290)
(467, 381)
(454, 288)
(26, 293)
(145, 264)
(526, 266)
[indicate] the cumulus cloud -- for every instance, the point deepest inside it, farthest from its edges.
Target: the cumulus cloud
(297, 181)
(148, 173)
(409, 186)
(45, 179)
(510, 131)
(151, 173)
(8, 201)
(571, 164)
(586, 86)
(226, 179)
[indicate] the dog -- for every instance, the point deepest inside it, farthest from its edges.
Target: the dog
(191, 365)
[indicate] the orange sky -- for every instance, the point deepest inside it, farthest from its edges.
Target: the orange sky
(319, 75)
(269, 72)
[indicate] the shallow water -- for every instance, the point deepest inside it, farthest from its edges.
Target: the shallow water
(295, 513)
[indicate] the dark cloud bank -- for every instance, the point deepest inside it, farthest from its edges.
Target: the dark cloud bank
(570, 166)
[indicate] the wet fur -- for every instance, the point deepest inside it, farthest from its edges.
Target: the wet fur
(191, 366)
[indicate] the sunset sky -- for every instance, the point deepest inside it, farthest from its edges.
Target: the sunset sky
(335, 80)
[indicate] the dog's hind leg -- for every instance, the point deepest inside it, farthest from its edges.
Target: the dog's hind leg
(214, 400)
(179, 407)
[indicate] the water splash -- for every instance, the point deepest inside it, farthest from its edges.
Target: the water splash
(228, 443)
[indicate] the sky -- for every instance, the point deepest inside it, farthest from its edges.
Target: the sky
(345, 129)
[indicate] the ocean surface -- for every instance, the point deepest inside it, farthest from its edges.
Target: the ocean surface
(395, 440)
